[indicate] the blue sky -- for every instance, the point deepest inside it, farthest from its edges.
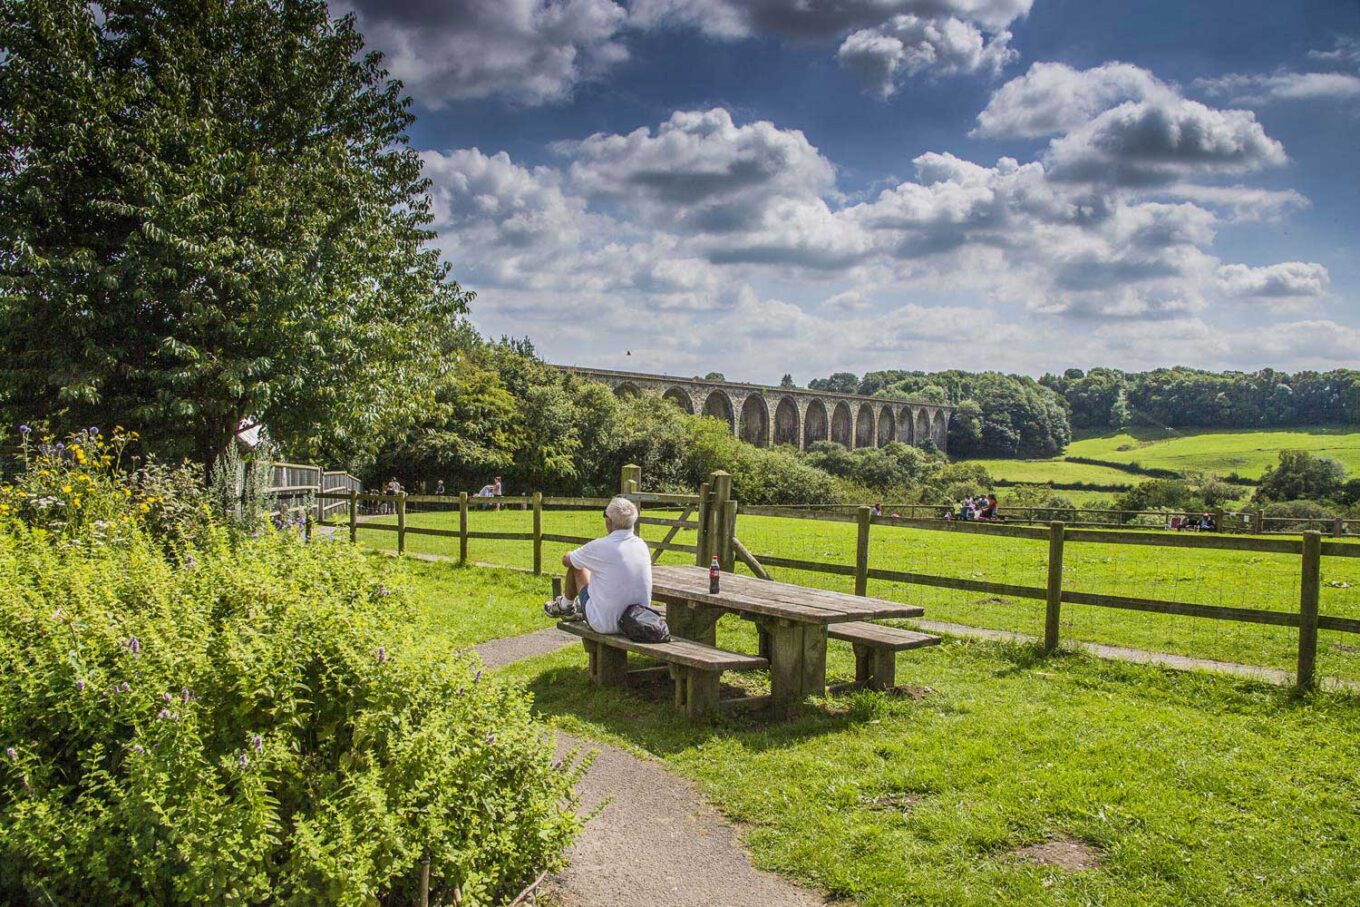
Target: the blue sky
(762, 186)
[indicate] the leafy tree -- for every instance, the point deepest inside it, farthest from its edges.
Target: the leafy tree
(714, 376)
(1160, 494)
(1301, 476)
(787, 381)
(209, 211)
(839, 383)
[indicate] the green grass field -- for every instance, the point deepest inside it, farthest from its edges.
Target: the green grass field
(1191, 789)
(1038, 472)
(1247, 453)
(1226, 578)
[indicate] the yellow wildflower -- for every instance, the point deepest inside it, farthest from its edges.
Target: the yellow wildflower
(66, 489)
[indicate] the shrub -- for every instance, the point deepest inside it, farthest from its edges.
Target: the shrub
(247, 720)
(1301, 476)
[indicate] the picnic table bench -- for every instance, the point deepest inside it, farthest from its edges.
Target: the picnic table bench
(792, 622)
(695, 666)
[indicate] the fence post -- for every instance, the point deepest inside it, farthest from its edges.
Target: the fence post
(1258, 522)
(462, 526)
(1338, 528)
(718, 545)
(701, 545)
(729, 531)
(538, 533)
(1309, 589)
(862, 518)
(401, 522)
(353, 514)
(1055, 581)
(320, 502)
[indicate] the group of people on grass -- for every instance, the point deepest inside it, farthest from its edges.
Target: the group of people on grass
(1205, 522)
(981, 507)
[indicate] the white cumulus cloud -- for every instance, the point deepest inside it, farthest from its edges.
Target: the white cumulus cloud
(529, 51)
(1053, 98)
(905, 45)
(1289, 281)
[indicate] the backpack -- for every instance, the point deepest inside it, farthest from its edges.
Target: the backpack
(641, 624)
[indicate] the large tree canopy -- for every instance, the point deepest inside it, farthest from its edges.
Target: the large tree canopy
(209, 211)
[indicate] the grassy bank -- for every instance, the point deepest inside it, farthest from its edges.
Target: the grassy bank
(1245, 452)
(1187, 789)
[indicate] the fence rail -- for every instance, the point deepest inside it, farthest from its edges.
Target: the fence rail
(1309, 546)
(712, 515)
(1236, 522)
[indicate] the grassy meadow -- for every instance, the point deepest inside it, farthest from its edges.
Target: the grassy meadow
(1187, 789)
(1225, 578)
(1245, 452)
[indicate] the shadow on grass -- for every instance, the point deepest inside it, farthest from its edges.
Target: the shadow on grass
(643, 714)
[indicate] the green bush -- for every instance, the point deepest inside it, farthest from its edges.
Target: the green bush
(246, 720)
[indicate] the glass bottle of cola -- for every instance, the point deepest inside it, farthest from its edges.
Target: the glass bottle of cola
(713, 573)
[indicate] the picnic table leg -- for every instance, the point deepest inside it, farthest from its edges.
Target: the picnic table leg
(701, 694)
(608, 666)
(814, 660)
(612, 667)
(694, 622)
(762, 642)
(786, 666)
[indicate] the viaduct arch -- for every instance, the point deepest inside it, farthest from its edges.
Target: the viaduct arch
(795, 416)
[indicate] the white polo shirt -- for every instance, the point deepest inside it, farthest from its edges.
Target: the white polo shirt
(620, 575)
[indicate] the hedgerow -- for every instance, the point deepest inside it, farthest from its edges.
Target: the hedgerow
(228, 718)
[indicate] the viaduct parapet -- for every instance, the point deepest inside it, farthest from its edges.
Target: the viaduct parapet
(763, 415)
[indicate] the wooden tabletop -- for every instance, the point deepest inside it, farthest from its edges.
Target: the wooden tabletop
(771, 599)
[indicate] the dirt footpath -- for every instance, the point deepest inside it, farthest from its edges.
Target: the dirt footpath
(656, 843)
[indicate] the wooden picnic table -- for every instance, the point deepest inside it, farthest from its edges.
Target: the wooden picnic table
(791, 620)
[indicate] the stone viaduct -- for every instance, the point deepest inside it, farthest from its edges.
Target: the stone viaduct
(763, 415)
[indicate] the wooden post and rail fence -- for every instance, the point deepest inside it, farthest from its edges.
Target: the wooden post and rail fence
(712, 514)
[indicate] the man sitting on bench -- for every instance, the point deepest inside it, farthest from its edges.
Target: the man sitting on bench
(607, 575)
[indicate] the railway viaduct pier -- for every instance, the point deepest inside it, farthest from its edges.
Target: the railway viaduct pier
(763, 415)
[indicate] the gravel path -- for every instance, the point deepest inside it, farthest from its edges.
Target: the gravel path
(656, 843)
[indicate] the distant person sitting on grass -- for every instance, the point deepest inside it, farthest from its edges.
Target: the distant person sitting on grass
(988, 511)
(608, 575)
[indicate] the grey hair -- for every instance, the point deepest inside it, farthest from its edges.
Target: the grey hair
(622, 513)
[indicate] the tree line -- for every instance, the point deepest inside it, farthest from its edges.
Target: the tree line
(1000, 415)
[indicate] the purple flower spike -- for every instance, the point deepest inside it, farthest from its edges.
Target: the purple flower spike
(139, 749)
(60, 447)
(167, 697)
(490, 738)
(164, 715)
(125, 687)
(134, 645)
(383, 591)
(381, 654)
(258, 742)
(185, 695)
(80, 684)
(478, 676)
(245, 760)
(94, 429)
(12, 753)
(24, 429)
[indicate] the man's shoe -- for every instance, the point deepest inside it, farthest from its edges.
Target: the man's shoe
(562, 608)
